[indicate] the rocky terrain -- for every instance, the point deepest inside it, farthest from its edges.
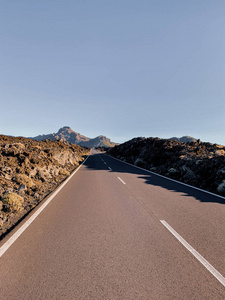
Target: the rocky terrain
(66, 134)
(195, 163)
(29, 171)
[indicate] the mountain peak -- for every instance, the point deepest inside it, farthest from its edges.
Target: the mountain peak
(65, 129)
(66, 134)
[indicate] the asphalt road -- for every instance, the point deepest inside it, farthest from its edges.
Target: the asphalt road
(103, 236)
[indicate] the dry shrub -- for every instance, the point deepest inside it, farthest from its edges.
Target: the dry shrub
(24, 179)
(19, 145)
(13, 201)
(64, 172)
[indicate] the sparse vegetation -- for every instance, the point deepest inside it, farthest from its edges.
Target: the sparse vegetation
(64, 172)
(24, 179)
(13, 202)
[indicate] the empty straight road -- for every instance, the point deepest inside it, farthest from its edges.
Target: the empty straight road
(114, 232)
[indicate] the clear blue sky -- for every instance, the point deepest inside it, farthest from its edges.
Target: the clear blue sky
(121, 68)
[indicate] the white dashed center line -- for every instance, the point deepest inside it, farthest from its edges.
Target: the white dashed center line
(197, 255)
(121, 180)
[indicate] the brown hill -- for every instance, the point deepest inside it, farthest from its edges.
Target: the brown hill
(68, 135)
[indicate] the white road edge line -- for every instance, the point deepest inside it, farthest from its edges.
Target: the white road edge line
(121, 180)
(194, 187)
(110, 169)
(15, 236)
(200, 258)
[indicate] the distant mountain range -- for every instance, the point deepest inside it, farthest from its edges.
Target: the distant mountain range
(184, 139)
(68, 135)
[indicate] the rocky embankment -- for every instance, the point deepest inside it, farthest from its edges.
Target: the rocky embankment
(195, 163)
(29, 171)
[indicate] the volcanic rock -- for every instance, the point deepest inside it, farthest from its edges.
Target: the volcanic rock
(32, 169)
(195, 163)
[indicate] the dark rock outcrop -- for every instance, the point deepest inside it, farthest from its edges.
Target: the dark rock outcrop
(195, 163)
(29, 171)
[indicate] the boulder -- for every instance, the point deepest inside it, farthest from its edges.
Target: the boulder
(220, 152)
(172, 171)
(221, 188)
(139, 162)
(22, 188)
(8, 177)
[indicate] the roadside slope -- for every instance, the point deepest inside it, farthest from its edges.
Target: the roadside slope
(29, 171)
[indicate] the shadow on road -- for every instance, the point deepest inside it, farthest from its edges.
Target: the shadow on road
(94, 163)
